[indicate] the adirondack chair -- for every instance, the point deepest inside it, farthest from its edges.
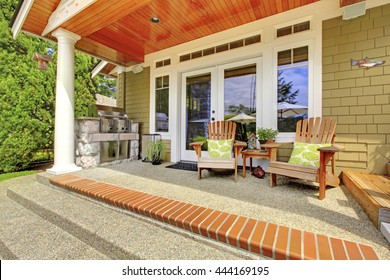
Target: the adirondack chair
(219, 130)
(312, 131)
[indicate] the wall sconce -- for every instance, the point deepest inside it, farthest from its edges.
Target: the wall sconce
(137, 69)
(43, 60)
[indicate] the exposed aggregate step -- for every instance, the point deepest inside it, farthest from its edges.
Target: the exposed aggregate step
(114, 234)
(25, 235)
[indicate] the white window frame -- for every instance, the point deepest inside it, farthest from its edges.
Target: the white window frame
(292, 23)
(256, 60)
(313, 107)
(152, 123)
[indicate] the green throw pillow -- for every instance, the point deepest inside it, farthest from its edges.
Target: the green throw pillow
(220, 148)
(306, 154)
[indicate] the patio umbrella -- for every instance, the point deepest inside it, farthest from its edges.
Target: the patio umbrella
(243, 118)
(293, 109)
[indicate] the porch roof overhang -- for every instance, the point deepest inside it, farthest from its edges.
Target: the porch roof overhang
(121, 31)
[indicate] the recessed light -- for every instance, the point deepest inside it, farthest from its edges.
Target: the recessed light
(155, 20)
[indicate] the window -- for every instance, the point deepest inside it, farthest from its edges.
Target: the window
(292, 87)
(221, 48)
(162, 104)
(288, 30)
(163, 63)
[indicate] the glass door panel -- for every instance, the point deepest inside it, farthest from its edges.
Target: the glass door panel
(198, 107)
(240, 98)
(199, 101)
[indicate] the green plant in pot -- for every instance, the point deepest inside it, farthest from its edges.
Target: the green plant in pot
(264, 134)
(155, 152)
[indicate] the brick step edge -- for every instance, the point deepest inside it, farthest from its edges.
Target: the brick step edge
(259, 237)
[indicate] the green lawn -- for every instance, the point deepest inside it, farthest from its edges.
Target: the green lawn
(11, 175)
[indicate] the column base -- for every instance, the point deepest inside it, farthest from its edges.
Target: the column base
(58, 170)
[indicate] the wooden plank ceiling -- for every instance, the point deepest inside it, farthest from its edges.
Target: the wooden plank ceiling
(120, 31)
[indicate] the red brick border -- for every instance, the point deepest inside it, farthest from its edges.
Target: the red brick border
(267, 239)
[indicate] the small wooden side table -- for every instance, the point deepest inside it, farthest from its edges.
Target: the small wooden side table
(269, 153)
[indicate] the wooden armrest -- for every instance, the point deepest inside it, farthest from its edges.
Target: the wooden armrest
(197, 146)
(333, 149)
(240, 144)
(237, 147)
(200, 143)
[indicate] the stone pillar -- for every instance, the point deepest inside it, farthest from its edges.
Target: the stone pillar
(64, 150)
(87, 149)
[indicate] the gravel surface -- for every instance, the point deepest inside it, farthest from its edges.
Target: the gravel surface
(292, 203)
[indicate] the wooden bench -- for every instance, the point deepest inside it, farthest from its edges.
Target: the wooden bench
(372, 192)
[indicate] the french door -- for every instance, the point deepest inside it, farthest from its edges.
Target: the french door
(216, 93)
(199, 102)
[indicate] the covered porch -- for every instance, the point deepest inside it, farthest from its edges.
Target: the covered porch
(162, 45)
(158, 45)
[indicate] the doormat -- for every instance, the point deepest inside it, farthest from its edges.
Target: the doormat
(184, 166)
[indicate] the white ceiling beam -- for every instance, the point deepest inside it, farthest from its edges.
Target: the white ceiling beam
(21, 17)
(98, 68)
(65, 11)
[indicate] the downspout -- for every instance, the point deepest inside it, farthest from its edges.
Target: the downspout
(124, 91)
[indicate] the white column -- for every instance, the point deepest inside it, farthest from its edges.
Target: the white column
(64, 150)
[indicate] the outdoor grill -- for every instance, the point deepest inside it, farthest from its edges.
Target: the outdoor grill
(113, 120)
(117, 133)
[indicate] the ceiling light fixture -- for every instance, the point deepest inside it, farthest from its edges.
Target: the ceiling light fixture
(155, 20)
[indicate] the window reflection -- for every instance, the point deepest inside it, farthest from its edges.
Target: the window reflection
(162, 104)
(240, 97)
(198, 104)
(292, 88)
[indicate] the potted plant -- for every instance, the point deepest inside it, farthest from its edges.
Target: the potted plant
(155, 152)
(264, 134)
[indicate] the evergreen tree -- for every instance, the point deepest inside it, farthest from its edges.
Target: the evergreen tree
(234, 109)
(27, 94)
(105, 85)
(84, 87)
(284, 90)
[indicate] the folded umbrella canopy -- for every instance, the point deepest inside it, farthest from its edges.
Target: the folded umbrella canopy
(291, 109)
(243, 118)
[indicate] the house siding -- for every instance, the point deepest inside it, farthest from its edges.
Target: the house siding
(359, 98)
(137, 101)
(137, 98)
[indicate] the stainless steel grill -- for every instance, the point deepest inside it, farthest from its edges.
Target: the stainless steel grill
(113, 120)
(119, 132)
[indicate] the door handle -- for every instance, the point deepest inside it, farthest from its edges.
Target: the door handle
(213, 119)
